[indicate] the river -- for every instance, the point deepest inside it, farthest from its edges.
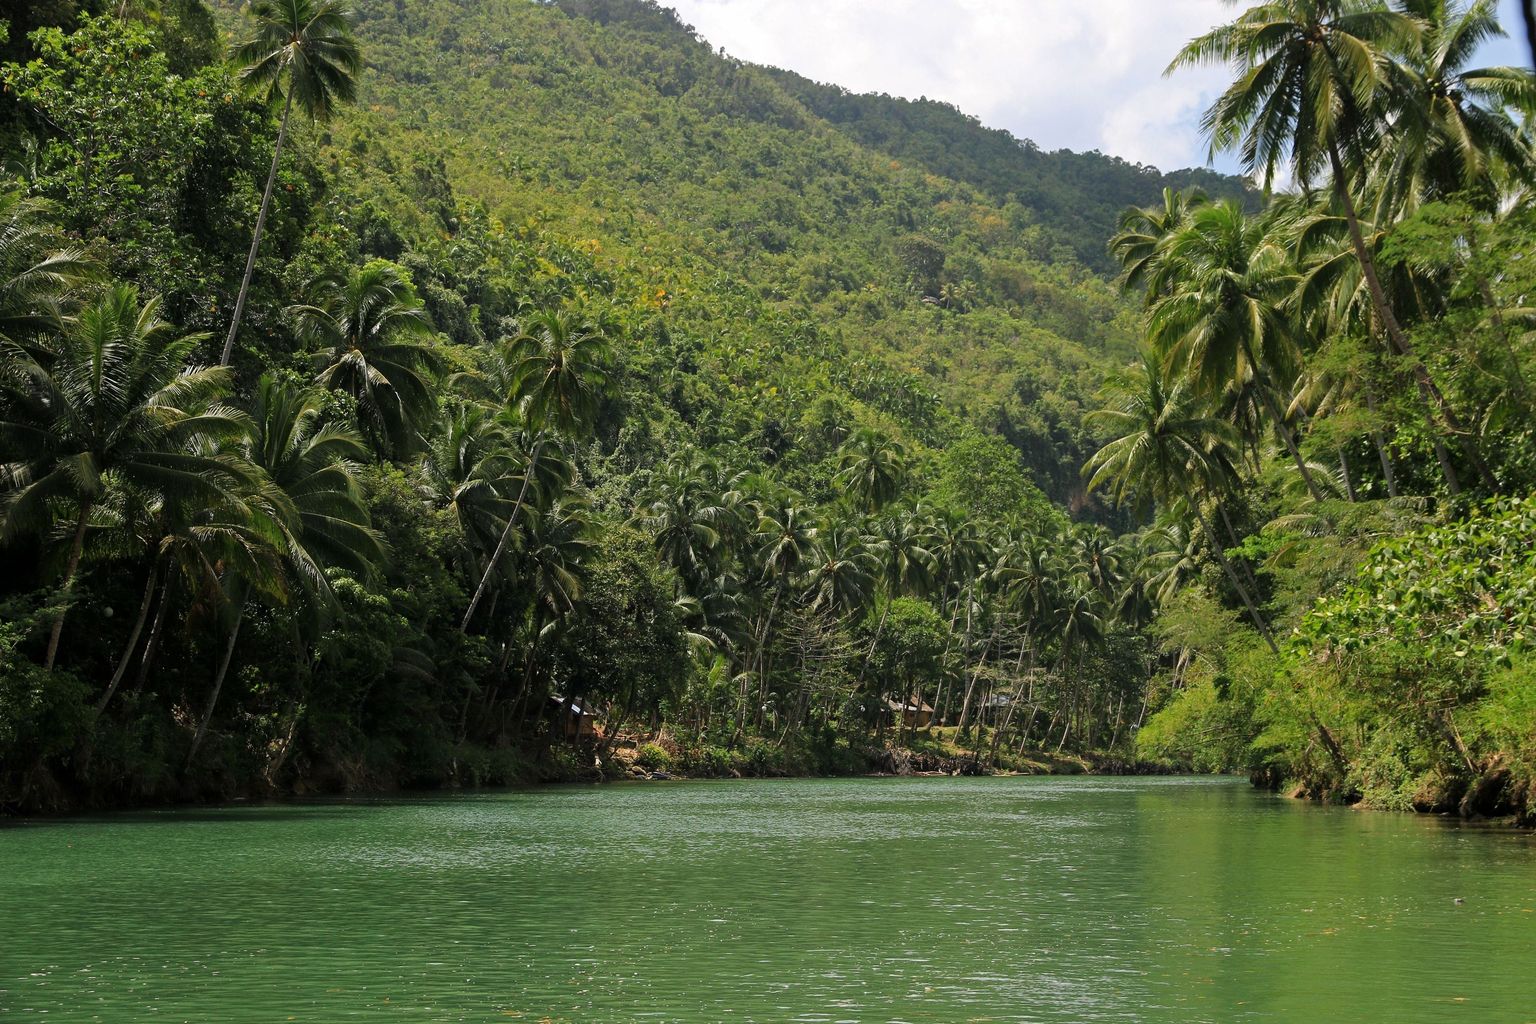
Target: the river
(869, 900)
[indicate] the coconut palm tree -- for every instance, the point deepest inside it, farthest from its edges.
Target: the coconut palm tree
(372, 336)
(1166, 447)
(841, 572)
(309, 494)
(683, 517)
(871, 468)
(1143, 231)
(1223, 318)
(115, 404)
(1314, 92)
(557, 369)
(472, 469)
(559, 366)
(303, 51)
(1452, 131)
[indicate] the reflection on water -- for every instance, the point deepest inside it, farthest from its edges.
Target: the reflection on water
(869, 900)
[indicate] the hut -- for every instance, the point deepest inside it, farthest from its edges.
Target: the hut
(575, 720)
(912, 713)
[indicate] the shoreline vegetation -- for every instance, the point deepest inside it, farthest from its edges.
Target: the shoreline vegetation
(409, 395)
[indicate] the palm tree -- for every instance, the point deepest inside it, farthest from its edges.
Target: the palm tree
(906, 565)
(872, 468)
(36, 273)
(302, 50)
(1314, 92)
(115, 405)
(470, 468)
(314, 467)
(309, 494)
(372, 334)
(787, 536)
(559, 366)
(683, 518)
(558, 370)
(1452, 131)
(1166, 445)
(1222, 318)
(1142, 233)
(842, 571)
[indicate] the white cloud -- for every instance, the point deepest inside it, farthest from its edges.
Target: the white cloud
(1076, 74)
(1079, 74)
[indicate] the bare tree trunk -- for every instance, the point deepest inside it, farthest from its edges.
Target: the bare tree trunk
(76, 548)
(506, 533)
(156, 631)
(1381, 449)
(1237, 584)
(1289, 439)
(218, 685)
(133, 637)
(261, 223)
(1349, 483)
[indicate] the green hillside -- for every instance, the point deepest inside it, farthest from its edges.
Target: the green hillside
(716, 180)
(1076, 197)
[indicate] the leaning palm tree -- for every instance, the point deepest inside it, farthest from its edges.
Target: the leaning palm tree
(303, 51)
(1166, 447)
(373, 339)
(115, 404)
(1314, 92)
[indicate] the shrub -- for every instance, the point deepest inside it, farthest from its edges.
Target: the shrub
(654, 757)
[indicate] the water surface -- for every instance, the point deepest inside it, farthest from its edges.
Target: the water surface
(864, 900)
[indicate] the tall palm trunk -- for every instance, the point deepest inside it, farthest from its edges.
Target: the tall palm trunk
(501, 543)
(218, 685)
(1287, 437)
(1232, 577)
(76, 548)
(261, 223)
(133, 637)
(1380, 443)
(1347, 478)
(1428, 389)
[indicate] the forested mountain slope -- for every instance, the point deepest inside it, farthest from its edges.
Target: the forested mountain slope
(711, 183)
(1076, 197)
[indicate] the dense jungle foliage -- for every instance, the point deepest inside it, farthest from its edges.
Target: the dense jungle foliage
(382, 385)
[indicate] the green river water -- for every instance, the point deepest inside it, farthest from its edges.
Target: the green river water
(870, 900)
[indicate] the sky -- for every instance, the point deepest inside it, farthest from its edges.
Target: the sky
(1073, 74)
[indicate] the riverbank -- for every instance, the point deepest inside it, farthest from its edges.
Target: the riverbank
(470, 767)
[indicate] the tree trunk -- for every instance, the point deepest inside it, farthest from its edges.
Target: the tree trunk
(875, 643)
(152, 647)
(133, 637)
(76, 547)
(501, 543)
(1388, 319)
(1381, 449)
(1289, 439)
(1242, 591)
(261, 223)
(218, 685)
(1349, 482)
